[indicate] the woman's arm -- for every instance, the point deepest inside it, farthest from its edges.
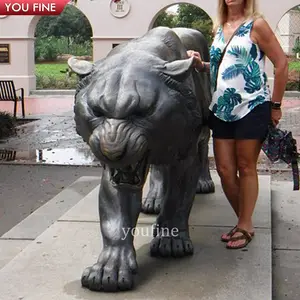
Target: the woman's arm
(263, 35)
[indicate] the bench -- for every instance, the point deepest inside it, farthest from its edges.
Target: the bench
(8, 92)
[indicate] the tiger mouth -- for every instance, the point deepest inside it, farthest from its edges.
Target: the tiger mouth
(132, 175)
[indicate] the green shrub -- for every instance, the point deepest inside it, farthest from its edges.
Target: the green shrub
(50, 82)
(7, 125)
(292, 86)
(48, 48)
(81, 49)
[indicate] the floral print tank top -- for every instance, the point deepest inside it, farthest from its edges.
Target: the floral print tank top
(242, 82)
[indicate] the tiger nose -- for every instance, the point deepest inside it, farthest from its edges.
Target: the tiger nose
(113, 140)
(111, 153)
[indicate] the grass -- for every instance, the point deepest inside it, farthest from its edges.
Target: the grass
(51, 69)
(49, 76)
(294, 65)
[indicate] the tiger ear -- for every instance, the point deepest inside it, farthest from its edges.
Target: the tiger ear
(80, 67)
(179, 69)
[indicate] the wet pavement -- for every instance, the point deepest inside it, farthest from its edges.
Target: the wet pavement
(53, 139)
(48, 132)
(50, 156)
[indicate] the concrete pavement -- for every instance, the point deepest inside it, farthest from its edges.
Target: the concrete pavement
(285, 228)
(51, 265)
(286, 242)
(25, 188)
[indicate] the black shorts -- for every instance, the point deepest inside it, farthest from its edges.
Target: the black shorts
(253, 126)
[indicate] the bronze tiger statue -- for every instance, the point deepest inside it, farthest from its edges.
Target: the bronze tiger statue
(145, 106)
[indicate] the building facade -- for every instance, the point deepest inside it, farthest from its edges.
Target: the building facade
(112, 23)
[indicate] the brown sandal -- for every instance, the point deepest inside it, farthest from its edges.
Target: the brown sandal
(229, 234)
(247, 236)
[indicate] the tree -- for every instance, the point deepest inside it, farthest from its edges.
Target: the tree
(205, 27)
(297, 8)
(70, 32)
(70, 23)
(189, 16)
(165, 19)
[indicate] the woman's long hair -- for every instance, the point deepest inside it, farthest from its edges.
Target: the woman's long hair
(250, 11)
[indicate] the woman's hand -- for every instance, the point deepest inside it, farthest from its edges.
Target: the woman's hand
(191, 53)
(276, 116)
(198, 64)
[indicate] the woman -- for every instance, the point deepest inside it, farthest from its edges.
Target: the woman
(242, 106)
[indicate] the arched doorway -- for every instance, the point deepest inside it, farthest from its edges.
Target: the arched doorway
(288, 34)
(184, 15)
(56, 39)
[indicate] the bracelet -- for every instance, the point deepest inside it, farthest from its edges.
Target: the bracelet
(202, 68)
(276, 105)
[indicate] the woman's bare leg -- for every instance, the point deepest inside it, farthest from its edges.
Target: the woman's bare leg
(226, 164)
(247, 156)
